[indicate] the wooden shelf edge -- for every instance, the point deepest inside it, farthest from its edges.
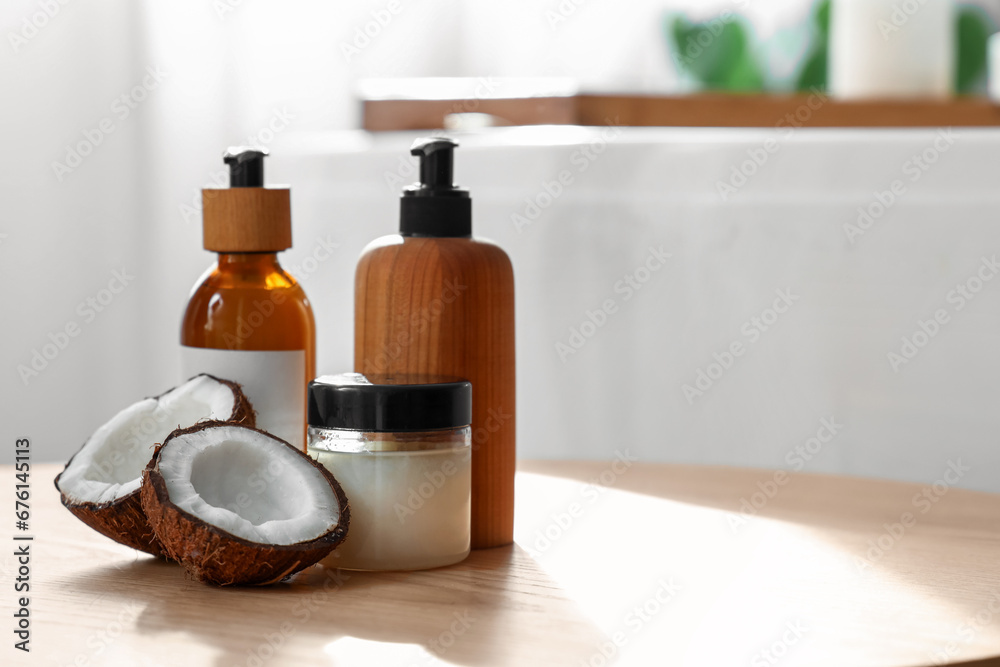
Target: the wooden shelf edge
(702, 110)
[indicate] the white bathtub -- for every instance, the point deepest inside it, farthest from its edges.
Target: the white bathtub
(814, 387)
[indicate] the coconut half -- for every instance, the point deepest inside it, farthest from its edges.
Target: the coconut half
(100, 484)
(236, 505)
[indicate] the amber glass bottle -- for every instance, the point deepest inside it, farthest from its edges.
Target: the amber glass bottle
(248, 320)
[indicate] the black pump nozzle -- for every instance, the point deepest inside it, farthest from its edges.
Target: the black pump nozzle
(437, 157)
(246, 166)
(435, 206)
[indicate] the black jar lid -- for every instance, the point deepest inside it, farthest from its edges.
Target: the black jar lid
(389, 403)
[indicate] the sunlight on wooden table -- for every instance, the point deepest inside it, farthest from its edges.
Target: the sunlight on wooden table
(799, 579)
(614, 564)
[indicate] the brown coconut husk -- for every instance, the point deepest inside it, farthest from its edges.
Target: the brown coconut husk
(213, 555)
(123, 520)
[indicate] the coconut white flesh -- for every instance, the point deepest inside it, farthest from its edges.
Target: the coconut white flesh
(109, 465)
(249, 485)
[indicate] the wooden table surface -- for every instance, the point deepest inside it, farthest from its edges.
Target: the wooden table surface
(651, 564)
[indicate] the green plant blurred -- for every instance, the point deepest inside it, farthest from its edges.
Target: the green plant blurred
(718, 54)
(722, 54)
(973, 33)
(813, 73)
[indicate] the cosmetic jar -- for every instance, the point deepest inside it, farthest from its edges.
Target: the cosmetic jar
(401, 448)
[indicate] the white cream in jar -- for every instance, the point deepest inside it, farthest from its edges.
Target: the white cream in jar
(401, 449)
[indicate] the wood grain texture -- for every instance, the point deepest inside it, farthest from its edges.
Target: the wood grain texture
(246, 219)
(701, 110)
(615, 530)
(445, 306)
(728, 110)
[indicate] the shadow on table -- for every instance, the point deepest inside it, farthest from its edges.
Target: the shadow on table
(990, 662)
(467, 614)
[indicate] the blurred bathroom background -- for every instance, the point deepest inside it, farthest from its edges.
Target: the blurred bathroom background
(827, 304)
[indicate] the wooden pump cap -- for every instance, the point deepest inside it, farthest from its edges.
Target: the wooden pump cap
(247, 219)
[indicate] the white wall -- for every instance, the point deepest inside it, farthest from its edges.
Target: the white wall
(65, 233)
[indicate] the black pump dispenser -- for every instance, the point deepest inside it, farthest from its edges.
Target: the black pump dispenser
(435, 206)
(246, 166)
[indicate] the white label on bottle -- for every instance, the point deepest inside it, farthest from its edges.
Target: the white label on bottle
(274, 381)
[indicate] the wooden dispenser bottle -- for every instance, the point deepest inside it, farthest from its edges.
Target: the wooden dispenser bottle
(435, 301)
